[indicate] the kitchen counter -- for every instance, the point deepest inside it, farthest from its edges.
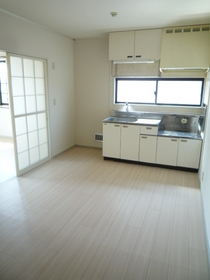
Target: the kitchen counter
(179, 134)
(130, 120)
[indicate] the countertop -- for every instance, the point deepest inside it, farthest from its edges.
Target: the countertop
(178, 134)
(134, 121)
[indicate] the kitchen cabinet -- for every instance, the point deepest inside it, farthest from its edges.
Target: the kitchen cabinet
(111, 140)
(139, 45)
(189, 153)
(121, 45)
(167, 149)
(148, 44)
(147, 151)
(130, 142)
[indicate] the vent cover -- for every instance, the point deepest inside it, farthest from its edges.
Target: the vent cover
(98, 137)
(187, 29)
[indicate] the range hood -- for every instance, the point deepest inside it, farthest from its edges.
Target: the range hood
(185, 48)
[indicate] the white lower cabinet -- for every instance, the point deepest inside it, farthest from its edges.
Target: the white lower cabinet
(167, 149)
(147, 151)
(111, 140)
(141, 143)
(189, 153)
(130, 142)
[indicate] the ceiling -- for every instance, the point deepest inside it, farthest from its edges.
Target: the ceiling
(91, 18)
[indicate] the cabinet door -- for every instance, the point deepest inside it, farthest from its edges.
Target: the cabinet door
(148, 146)
(148, 44)
(189, 153)
(130, 142)
(111, 140)
(121, 45)
(167, 149)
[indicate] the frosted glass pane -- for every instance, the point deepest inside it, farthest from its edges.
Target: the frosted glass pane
(20, 125)
(40, 101)
(42, 121)
(32, 123)
(43, 151)
(16, 66)
(17, 86)
(33, 139)
(22, 143)
(19, 105)
(34, 155)
(28, 65)
(40, 88)
(23, 160)
(29, 86)
(30, 104)
(39, 69)
(43, 136)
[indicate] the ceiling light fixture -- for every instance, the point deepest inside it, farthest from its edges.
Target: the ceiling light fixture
(113, 14)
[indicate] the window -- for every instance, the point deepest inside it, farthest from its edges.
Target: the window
(182, 92)
(4, 99)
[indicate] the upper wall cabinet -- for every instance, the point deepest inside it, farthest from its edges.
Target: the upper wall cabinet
(135, 45)
(121, 45)
(148, 44)
(185, 47)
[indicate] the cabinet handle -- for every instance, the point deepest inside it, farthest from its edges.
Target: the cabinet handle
(183, 140)
(129, 56)
(149, 128)
(117, 125)
(125, 126)
(174, 140)
(138, 55)
(144, 137)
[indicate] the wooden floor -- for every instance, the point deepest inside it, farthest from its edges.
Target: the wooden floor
(80, 217)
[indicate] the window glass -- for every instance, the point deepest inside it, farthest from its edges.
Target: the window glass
(183, 92)
(179, 92)
(136, 91)
(4, 100)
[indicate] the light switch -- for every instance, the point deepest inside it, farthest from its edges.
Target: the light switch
(53, 65)
(54, 101)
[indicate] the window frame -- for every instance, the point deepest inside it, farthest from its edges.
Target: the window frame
(156, 92)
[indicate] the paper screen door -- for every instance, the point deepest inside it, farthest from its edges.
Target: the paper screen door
(27, 81)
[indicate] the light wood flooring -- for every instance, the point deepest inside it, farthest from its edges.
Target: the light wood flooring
(80, 217)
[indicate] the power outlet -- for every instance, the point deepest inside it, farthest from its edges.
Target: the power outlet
(202, 176)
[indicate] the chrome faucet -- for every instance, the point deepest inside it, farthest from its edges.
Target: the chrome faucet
(126, 106)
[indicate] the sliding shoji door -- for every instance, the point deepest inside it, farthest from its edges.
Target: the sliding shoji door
(28, 101)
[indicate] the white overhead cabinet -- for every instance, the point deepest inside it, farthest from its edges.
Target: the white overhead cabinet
(167, 149)
(130, 142)
(189, 153)
(185, 47)
(111, 140)
(148, 44)
(135, 45)
(121, 45)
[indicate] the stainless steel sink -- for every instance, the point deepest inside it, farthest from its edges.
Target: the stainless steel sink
(122, 120)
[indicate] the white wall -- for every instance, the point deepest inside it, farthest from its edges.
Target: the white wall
(22, 37)
(92, 89)
(5, 123)
(205, 169)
